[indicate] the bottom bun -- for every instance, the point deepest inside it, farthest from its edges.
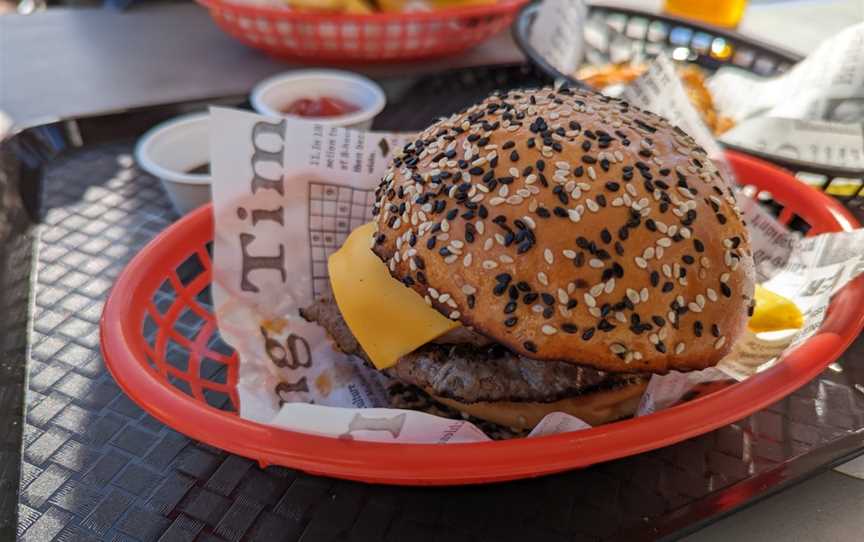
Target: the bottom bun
(594, 408)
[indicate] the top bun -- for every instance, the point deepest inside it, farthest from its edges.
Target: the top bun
(571, 226)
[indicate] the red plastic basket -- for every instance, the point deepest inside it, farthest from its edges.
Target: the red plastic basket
(377, 37)
(159, 341)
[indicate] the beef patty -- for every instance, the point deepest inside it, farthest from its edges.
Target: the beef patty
(474, 370)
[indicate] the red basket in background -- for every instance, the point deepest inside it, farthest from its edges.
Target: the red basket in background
(376, 37)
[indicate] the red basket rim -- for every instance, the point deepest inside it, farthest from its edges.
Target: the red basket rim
(435, 464)
(500, 7)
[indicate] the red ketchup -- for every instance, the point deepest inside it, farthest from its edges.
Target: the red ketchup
(324, 106)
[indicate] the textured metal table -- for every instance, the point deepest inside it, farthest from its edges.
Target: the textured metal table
(94, 466)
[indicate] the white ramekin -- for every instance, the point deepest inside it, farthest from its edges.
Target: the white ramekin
(170, 149)
(273, 94)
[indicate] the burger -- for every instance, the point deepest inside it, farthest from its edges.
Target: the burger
(543, 251)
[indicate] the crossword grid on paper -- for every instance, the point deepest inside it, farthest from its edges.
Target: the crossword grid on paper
(334, 210)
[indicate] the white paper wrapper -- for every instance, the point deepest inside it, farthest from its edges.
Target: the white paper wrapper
(286, 194)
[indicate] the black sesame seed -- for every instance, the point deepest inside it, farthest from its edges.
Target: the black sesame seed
(569, 328)
(667, 287)
(508, 145)
(601, 200)
(623, 233)
(476, 170)
(587, 334)
(572, 303)
(525, 246)
(698, 245)
(697, 328)
(586, 145)
(721, 218)
(724, 288)
(547, 298)
(541, 165)
(510, 307)
(510, 322)
(604, 325)
(451, 214)
(471, 301)
(529, 346)
(659, 320)
(530, 298)
(513, 292)
(578, 171)
(688, 259)
(661, 347)
(560, 212)
(619, 270)
(715, 330)
(421, 277)
(612, 187)
(408, 281)
(503, 277)
(655, 278)
(579, 260)
(588, 159)
(619, 248)
(542, 212)
(514, 156)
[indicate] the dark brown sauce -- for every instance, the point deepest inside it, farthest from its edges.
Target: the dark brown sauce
(203, 169)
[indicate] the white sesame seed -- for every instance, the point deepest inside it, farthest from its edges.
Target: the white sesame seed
(662, 227)
(487, 244)
(541, 277)
(617, 202)
(700, 300)
(685, 233)
(489, 264)
(525, 193)
(648, 253)
(562, 165)
(595, 312)
(694, 307)
(564, 311)
(531, 179)
(617, 348)
(574, 215)
(566, 252)
(571, 287)
(592, 205)
(547, 255)
(504, 191)
(724, 277)
(589, 300)
(513, 172)
(654, 338)
(632, 190)
(658, 253)
(718, 344)
(641, 262)
(712, 294)
(610, 286)
(455, 315)
(664, 242)
(481, 187)
(451, 258)
(632, 295)
(537, 308)
(466, 261)
(496, 201)
(620, 317)
(480, 227)
(584, 187)
(532, 206)
(515, 200)
(672, 316)
(643, 295)
(504, 258)
(592, 174)
(595, 290)
(530, 222)
(595, 263)
(432, 292)
(679, 348)
(467, 289)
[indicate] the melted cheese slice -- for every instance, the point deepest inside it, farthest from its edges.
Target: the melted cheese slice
(773, 312)
(388, 319)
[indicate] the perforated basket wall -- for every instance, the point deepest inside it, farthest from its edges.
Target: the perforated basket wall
(378, 37)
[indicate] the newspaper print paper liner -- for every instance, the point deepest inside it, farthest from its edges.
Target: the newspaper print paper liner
(312, 187)
(813, 113)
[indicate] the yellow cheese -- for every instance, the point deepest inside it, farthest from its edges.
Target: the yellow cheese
(388, 319)
(774, 312)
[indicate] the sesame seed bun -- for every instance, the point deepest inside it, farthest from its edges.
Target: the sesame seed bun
(570, 226)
